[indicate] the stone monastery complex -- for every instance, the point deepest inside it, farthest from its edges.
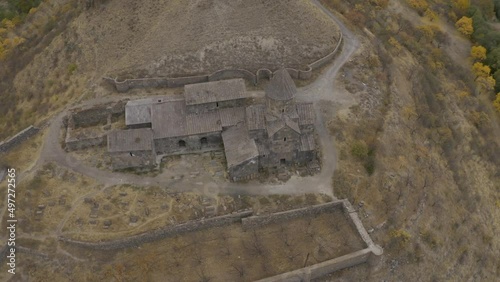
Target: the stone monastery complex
(219, 115)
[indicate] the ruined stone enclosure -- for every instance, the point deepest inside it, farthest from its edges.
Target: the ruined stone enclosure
(304, 243)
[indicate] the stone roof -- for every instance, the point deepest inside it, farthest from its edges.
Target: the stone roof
(238, 146)
(130, 140)
(255, 117)
(215, 91)
(276, 124)
(169, 119)
(203, 123)
(231, 116)
(306, 113)
(139, 111)
(307, 142)
(281, 87)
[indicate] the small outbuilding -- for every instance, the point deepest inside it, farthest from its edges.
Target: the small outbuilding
(132, 148)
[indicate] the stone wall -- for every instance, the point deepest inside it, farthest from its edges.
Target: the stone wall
(144, 160)
(74, 144)
(90, 116)
(206, 107)
(254, 78)
(168, 231)
(323, 268)
(252, 222)
(191, 144)
(17, 139)
(245, 171)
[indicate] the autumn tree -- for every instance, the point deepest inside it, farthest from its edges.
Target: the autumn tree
(486, 83)
(464, 25)
(496, 103)
(461, 6)
(478, 53)
(481, 70)
(420, 5)
(430, 15)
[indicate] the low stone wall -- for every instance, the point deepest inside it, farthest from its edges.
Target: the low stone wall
(90, 116)
(168, 231)
(323, 268)
(31, 252)
(369, 254)
(17, 139)
(254, 78)
(280, 217)
(75, 144)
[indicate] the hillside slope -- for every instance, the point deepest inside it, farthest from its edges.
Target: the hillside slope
(184, 37)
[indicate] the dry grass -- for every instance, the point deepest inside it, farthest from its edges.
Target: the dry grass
(24, 156)
(222, 254)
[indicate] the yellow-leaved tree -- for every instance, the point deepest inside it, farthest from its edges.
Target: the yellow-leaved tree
(483, 78)
(464, 25)
(419, 5)
(461, 5)
(496, 103)
(481, 70)
(478, 53)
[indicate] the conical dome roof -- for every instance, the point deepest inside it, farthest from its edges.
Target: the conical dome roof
(281, 87)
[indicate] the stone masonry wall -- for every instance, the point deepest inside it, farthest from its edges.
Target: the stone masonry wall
(168, 231)
(125, 85)
(17, 139)
(323, 268)
(252, 222)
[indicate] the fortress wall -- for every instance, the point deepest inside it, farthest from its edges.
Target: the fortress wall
(307, 74)
(17, 139)
(125, 85)
(328, 58)
(263, 73)
(181, 81)
(252, 222)
(236, 73)
(357, 224)
(168, 231)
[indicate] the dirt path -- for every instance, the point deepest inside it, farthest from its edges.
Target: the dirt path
(322, 89)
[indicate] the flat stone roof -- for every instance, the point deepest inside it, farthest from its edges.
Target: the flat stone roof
(139, 111)
(238, 146)
(215, 91)
(255, 117)
(232, 116)
(169, 119)
(306, 113)
(203, 123)
(130, 140)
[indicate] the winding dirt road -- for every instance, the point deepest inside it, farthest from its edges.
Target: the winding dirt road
(321, 90)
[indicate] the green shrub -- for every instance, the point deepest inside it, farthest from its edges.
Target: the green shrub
(72, 68)
(359, 149)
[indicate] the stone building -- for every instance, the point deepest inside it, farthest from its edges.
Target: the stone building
(132, 148)
(219, 115)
